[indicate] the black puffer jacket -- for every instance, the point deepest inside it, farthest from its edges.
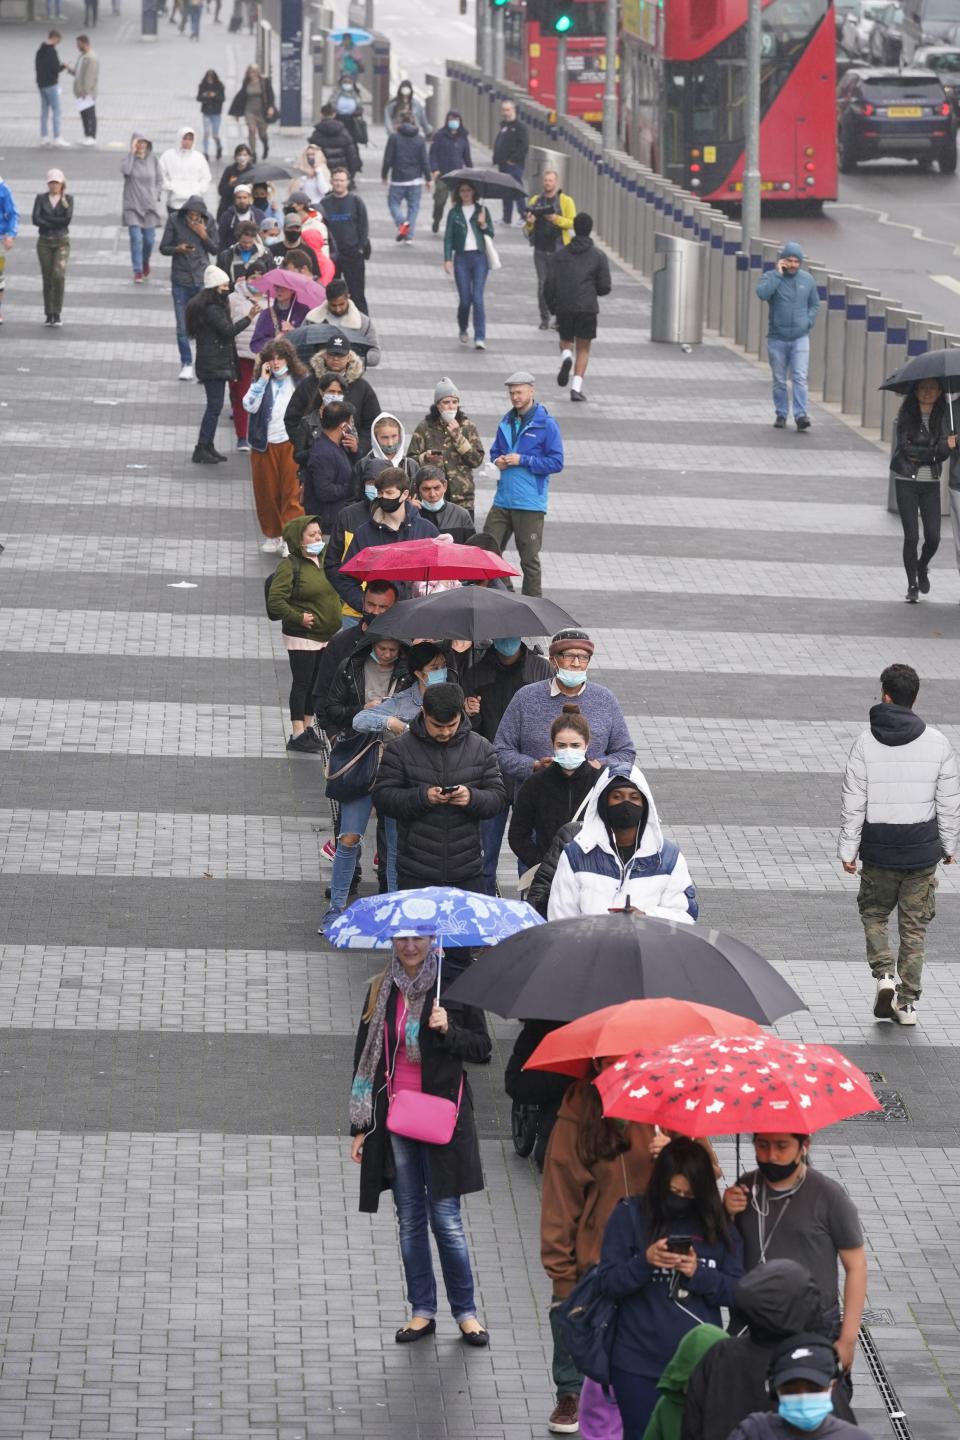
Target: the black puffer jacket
(546, 801)
(777, 1300)
(496, 684)
(539, 893)
(188, 269)
(439, 844)
(209, 323)
(337, 144)
(357, 391)
(577, 274)
(347, 695)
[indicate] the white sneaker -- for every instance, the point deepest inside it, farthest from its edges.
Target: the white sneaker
(903, 1014)
(88, 140)
(45, 143)
(885, 996)
(272, 547)
(186, 373)
(62, 144)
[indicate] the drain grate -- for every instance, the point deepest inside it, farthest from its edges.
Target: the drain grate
(891, 1101)
(895, 1411)
(877, 1317)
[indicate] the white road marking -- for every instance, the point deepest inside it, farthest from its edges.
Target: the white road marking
(949, 282)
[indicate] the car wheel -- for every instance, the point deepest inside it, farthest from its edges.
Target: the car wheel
(947, 161)
(846, 155)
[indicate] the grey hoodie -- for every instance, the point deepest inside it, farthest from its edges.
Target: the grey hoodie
(187, 269)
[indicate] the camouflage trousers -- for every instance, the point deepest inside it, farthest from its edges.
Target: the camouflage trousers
(912, 893)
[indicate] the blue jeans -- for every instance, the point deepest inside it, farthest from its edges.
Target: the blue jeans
(216, 391)
(181, 295)
(347, 622)
(636, 1398)
(508, 205)
(354, 818)
(470, 272)
(396, 195)
(50, 106)
(491, 838)
(789, 357)
(415, 1208)
(141, 245)
(194, 13)
(211, 128)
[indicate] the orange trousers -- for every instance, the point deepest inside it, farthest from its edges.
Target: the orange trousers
(276, 488)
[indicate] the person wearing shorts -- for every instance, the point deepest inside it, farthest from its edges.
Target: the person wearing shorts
(577, 276)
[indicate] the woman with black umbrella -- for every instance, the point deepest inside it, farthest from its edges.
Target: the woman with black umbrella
(923, 438)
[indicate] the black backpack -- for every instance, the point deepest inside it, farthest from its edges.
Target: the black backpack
(270, 579)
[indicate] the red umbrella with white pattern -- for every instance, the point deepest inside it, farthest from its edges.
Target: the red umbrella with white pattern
(725, 1085)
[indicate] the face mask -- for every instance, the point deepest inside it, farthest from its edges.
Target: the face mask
(390, 449)
(570, 759)
(806, 1412)
(506, 647)
(770, 1170)
(334, 400)
(390, 506)
(370, 491)
(572, 678)
(433, 505)
(678, 1207)
(453, 124)
(448, 414)
(625, 815)
(280, 371)
(437, 677)
(315, 547)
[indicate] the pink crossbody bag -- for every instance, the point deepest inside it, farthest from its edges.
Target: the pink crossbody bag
(418, 1116)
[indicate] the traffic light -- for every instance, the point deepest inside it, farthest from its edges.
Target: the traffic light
(499, 4)
(558, 17)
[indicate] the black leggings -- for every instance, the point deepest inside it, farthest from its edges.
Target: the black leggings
(304, 665)
(918, 498)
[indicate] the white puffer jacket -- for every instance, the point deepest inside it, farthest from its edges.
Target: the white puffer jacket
(901, 794)
(184, 172)
(592, 879)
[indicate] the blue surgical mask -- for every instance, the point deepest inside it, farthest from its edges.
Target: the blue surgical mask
(370, 491)
(453, 124)
(806, 1412)
(437, 677)
(390, 449)
(315, 547)
(280, 371)
(573, 678)
(332, 399)
(570, 759)
(506, 647)
(433, 505)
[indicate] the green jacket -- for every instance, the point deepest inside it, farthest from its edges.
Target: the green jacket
(666, 1422)
(455, 235)
(312, 593)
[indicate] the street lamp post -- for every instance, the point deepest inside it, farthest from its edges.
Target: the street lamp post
(561, 76)
(610, 79)
(750, 210)
(497, 66)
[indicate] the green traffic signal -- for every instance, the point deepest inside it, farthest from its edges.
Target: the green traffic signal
(563, 24)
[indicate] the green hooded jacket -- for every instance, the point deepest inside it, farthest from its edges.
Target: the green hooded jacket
(667, 1419)
(312, 593)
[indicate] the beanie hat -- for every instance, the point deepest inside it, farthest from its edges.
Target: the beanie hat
(445, 390)
(565, 640)
(214, 276)
(791, 251)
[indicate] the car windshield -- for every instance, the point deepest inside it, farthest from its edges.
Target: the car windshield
(902, 87)
(942, 10)
(873, 9)
(950, 61)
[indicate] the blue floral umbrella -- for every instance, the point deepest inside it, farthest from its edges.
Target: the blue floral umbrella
(456, 917)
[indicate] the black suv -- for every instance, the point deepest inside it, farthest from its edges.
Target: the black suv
(903, 113)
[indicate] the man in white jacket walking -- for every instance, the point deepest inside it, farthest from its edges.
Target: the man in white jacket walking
(901, 816)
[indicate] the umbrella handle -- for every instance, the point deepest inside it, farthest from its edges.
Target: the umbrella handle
(439, 964)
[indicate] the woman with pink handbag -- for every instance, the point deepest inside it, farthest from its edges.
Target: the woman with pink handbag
(411, 1118)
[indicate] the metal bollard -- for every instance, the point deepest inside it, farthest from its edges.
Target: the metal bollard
(647, 216)
(895, 352)
(854, 351)
(769, 255)
(711, 237)
(874, 372)
(740, 298)
(755, 326)
(918, 336)
(836, 320)
(728, 285)
(818, 335)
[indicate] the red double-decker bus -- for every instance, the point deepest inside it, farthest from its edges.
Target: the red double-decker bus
(530, 56)
(684, 89)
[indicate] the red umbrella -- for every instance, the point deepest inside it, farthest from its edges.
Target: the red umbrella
(721, 1086)
(616, 1029)
(426, 560)
(308, 291)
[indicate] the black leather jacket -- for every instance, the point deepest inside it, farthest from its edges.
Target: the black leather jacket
(913, 447)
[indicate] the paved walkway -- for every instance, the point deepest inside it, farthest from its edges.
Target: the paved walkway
(180, 1249)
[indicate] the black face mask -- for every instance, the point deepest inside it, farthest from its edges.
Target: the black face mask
(679, 1207)
(772, 1171)
(389, 506)
(626, 815)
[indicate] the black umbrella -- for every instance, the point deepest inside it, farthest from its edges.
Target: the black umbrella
(942, 365)
(307, 339)
(471, 612)
(266, 170)
(567, 968)
(491, 184)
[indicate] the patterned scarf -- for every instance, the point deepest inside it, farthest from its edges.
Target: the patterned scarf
(413, 989)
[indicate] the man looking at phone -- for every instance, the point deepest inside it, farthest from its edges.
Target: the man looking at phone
(440, 781)
(341, 360)
(784, 1210)
(791, 294)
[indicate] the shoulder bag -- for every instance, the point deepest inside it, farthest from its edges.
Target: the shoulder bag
(354, 761)
(416, 1115)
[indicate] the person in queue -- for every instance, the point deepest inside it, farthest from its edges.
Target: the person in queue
(551, 797)
(276, 485)
(803, 1379)
(785, 1209)
(392, 519)
(208, 322)
(431, 492)
(328, 479)
(341, 360)
(301, 596)
(388, 447)
(447, 437)
(527, 450)
(670, 1259)
(428, 1043)
(339, 309)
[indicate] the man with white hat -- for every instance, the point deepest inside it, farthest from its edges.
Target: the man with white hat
(528, 449)
(242, 209)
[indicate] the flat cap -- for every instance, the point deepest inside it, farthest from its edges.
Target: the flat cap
(520, 377)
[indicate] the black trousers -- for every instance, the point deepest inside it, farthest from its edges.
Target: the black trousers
(919, 504)
(88, 119)
(303, 669)
(353, 269)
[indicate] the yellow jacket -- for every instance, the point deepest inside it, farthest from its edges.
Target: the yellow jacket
(564, 221)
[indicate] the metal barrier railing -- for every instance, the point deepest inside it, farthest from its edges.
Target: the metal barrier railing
(859, 338)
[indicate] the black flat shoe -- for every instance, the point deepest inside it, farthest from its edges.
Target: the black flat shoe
(912, 595)
(923, 580)
(407, 1335)
(479, 1339)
